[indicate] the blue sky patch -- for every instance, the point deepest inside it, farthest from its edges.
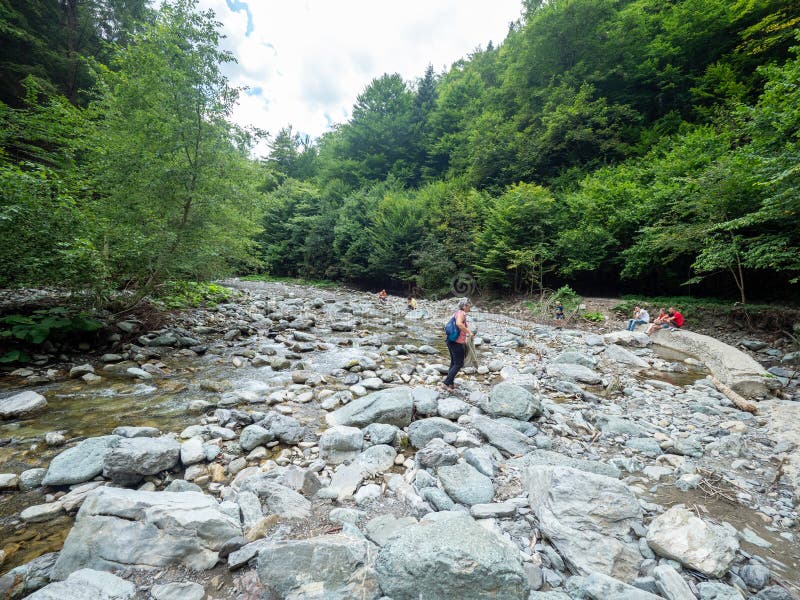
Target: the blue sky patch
(255, 91)
(238, 5)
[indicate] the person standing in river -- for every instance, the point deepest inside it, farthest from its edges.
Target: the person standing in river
(457, 348)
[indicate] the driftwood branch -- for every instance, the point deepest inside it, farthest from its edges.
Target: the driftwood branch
(738, 401)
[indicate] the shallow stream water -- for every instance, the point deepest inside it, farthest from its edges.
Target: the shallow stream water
(78, 411)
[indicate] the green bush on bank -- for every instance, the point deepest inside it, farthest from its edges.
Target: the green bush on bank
(318, 283)
(188, 294)
(40, 326)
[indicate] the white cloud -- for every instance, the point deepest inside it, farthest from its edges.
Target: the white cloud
(311, 58)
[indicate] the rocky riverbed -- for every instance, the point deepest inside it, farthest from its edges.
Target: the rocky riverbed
(297, 443)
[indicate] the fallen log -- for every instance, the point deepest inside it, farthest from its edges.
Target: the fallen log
(737, 400)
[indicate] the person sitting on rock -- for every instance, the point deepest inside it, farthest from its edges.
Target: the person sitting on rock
(412, 303)
(658, 322)
(382, 296)
(675, 319)
(640, 317)
(671, 320)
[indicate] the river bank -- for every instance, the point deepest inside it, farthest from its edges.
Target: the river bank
(264, 390)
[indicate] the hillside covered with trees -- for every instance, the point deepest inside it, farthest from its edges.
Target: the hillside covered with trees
(641, 144)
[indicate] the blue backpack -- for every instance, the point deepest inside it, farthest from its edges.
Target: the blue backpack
(451, 330)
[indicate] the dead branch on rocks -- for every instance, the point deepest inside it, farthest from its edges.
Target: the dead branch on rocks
(779, 472)
(715, 485)
(737, 400)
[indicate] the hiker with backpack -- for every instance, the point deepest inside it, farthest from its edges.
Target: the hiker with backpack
(457, 333)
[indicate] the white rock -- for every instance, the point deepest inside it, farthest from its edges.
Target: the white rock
(680, 535)
(21, 404)
(42, 512)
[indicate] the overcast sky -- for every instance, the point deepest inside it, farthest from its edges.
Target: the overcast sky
(305, 61)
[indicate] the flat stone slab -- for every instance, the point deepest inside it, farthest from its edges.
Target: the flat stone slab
(554, 459)
(21, 404)
(80, 463)
(118, 528)
(87, 584)
(731, 366)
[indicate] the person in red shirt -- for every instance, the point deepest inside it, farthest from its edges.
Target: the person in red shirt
(672, 319)
(675, 318)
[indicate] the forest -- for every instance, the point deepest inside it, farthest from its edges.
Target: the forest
(642, 145)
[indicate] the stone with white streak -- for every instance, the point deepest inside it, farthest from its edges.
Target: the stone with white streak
(587, 517)
(701, 545)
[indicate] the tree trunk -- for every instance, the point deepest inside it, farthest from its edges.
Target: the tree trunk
(71, 34)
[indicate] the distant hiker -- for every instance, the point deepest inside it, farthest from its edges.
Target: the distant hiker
(412, 304)
(640, 317)
(456, 347)
(382, 296)
(559, 311)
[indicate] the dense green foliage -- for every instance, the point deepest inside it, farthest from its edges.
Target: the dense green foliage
(603, 141)
(638, 143)
(185, 294)
(41, 325)
(146, 180)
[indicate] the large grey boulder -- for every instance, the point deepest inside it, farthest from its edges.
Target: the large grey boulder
(133, 458)
(573, 372)
(618, 354)
(276, 498)
(383, 527)
(450, 556)
(508, 440)
(339, 444)
(87, 584)
(698, 544)
(425, 400)
(465, 484)
(117, 528)
(436, 453)
(571, 357)
(378, 433)
(732, 366)
(712, 590)
(612, 424)
(555, 459)
(392, 406)
(330, 567)
(602, 587)
(21, 404)
(80, 463)
(347, 478)
(587, 517)
(283, 427)
(192, 451)
(21, 581)
(253, 436)
(511, 400)
(423, 431)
